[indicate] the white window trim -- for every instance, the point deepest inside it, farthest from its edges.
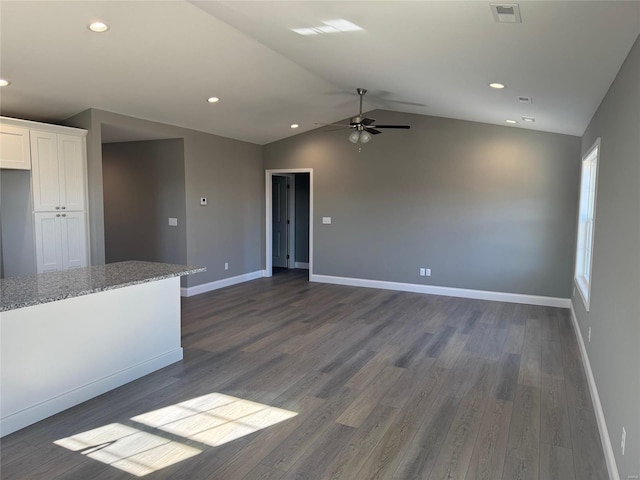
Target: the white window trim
(583, 285)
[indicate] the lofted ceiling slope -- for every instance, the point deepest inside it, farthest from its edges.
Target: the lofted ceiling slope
(161, 60)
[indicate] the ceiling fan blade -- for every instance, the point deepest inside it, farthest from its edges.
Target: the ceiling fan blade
(372, 130)
(368, 121)
(335, 124)
(405, 127)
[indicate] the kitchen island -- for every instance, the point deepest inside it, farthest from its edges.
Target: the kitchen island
(66, 337)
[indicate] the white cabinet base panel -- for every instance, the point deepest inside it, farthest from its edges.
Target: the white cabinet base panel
(56, 355)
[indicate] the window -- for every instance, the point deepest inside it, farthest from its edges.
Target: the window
(586, 219)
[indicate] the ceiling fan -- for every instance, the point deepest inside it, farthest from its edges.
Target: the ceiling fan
(364, 127)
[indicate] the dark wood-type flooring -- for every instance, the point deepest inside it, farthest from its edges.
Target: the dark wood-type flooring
(383, 385)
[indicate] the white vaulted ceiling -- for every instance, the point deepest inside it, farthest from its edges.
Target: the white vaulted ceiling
(161, 60)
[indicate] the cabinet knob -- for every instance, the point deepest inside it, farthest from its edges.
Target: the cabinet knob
(57, 208)
(64, 214)
(57, 214)
(64, 208)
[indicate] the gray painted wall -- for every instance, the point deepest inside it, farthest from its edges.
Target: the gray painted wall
(302, 217)
(614, 315)
(18, 242)
(228, 172)
(485, 207)
(144, 186)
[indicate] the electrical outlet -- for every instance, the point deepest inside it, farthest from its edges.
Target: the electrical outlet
(624, 439)
(589, 334)
(427, 272)
(422, 272)
(226, 265)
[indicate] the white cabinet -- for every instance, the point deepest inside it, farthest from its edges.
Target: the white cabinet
(14, 147)
(57, 158)
(60, 241)
(58, 171)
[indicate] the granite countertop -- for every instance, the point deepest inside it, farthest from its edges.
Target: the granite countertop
(53, 286)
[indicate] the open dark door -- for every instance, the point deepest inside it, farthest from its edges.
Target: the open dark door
(279, 220)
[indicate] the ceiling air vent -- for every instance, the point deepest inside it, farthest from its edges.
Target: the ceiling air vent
(506, 12)
(523, 99)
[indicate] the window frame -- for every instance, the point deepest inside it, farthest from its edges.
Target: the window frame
(585, 235)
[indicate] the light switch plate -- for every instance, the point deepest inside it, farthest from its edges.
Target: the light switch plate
(173, 222)
(326, 220)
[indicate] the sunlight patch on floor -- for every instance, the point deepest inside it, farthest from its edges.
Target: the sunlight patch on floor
(128, 449)
(214, 419)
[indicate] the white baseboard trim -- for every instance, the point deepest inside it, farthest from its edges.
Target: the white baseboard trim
(304, 265)
(446, 291)
(595, 398)
(225, 282)
(40, 411)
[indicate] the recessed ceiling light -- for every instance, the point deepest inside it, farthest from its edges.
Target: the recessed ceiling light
(529, 119)
(496, 85)
(4, 83)
(511, 121)
(213, 99)
(98, 27)
(294, 125)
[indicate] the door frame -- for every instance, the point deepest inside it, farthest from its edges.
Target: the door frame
(269, 221)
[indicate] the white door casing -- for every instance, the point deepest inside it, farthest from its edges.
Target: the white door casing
(268, 214)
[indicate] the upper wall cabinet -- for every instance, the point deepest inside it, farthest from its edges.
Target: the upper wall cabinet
(14, 147)
(58, 163)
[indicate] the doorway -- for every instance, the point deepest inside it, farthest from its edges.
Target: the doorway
(285, 249)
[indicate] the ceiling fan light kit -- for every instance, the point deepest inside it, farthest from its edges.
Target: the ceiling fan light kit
(363, 128)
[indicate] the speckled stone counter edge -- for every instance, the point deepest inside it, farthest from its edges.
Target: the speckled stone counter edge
(50, 287)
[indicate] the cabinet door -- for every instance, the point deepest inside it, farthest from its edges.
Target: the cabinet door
(14, 148)
(74, 240)
(71, 158)
(48, 242)
(45, 171)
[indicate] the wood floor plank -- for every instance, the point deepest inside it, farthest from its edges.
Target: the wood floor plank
(262, 472)
(554, 426)
(296, 444)
(515, 339)
(522, 457)
(351, 459)
(419, 456)
(455, 455)
(357, 412)
(531, 358)
(556, 463)
(242, 464)
(383, 461)
(489, 453)
(588, 456)
(507, 377)
(321, 453)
